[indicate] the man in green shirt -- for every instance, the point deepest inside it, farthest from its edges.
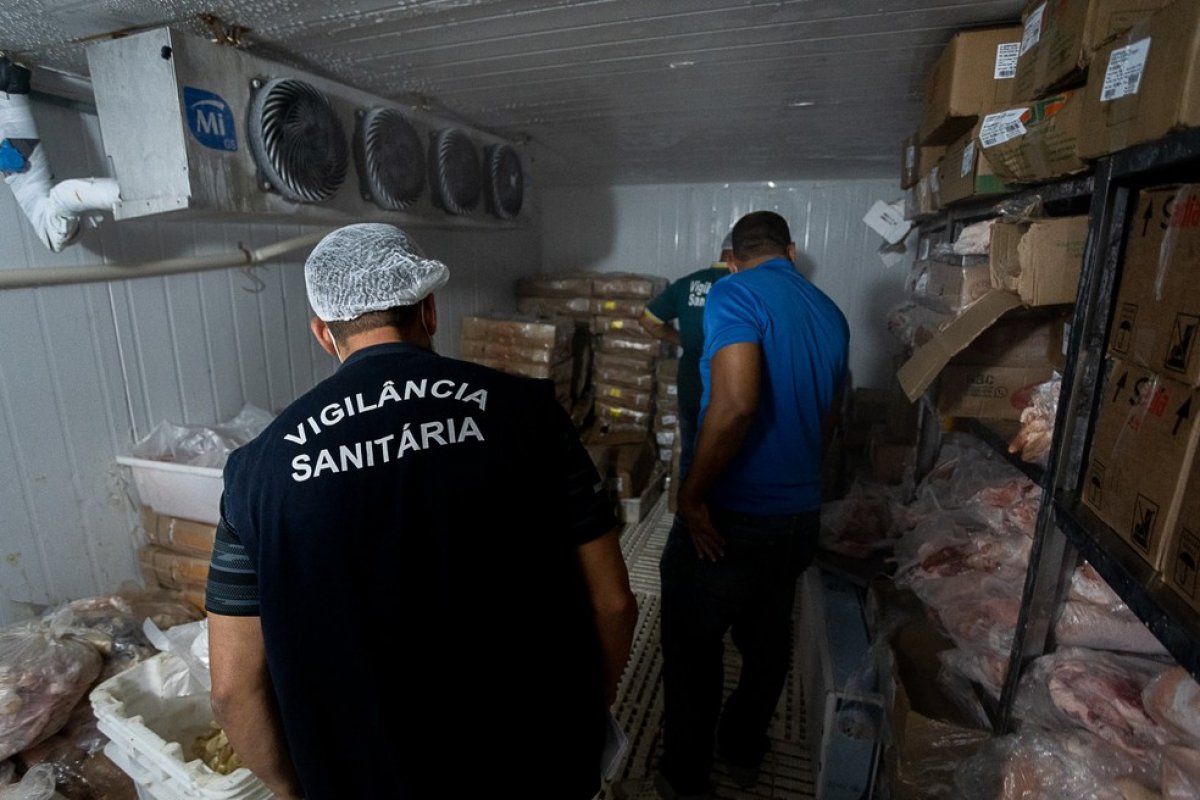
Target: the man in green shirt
(684, 301)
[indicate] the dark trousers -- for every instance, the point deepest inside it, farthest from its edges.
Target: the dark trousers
(687, 435)
(750, 593)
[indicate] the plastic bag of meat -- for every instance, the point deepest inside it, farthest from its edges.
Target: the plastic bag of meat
(1096, 690)
(1180, 773)
(963, 667)
(860, 524)
(41, 679)
(954, 544)
(36, 784)
(1037, 423)
(964, 466)
(1011, 505)
(1049, 765)
(1094, 616)
(1172, 698)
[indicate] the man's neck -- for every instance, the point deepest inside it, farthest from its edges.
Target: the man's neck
(385, 335)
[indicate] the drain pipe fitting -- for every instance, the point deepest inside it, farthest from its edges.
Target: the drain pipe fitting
(53, 210)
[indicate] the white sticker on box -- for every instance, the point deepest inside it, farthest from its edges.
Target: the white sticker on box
(910, 158)
(998, 128)
(1033, 29)
(935, 184)
(922, 284)
(1124, 73)
(968, 162)
(924, 249)
(1006, 60)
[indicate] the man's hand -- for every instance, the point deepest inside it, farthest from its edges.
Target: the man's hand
(705, 538)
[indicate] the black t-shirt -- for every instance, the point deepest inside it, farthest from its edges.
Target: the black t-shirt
(410, 528)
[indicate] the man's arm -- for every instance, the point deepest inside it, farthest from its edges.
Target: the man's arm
(613, 603)
(735, 372)
(659, 329)
(243, 701)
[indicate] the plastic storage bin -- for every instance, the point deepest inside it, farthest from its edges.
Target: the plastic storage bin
(152, 713)
(177, 490)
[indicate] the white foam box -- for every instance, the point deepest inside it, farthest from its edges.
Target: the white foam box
(152, 713)
(843, 714)
(177, 490)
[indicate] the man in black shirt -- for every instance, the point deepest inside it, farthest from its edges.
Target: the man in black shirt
(417, 564)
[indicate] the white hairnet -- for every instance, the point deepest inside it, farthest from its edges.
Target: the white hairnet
(368, 267)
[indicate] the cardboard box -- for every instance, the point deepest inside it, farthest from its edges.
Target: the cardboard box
(171, 569)
(1156, 321)
(974, 72)
(1182, 568)
(1141, 453)
(965, 172)
(182, 535)
(1040, 261)
(634, 509)
(890, 459)
(988, 391)
(931, 735)
(916, 160)
(631, 457)
(1058, 38)
(623, 396)
(1145, 83)
(1022, 340)
(1035, 141)
(950, 288)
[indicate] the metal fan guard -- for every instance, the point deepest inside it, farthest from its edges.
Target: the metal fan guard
(386, 139)
(285, 161)
(506, 188)
(457, 176)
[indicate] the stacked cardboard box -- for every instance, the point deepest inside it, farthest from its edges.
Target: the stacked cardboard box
(666, 416)
(523, 345)
(1143, 448)
(623, 369)
(176, 554)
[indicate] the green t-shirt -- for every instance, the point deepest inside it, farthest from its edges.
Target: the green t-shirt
(684, 300)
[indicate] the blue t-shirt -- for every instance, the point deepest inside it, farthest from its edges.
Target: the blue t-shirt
(804, 342)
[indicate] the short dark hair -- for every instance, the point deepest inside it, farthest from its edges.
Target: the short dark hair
(398, 317)
(760, 233)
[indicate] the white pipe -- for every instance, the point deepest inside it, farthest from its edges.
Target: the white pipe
(51, 276)
(53, 211)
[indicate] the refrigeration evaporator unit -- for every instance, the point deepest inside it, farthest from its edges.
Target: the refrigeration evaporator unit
(195, 129)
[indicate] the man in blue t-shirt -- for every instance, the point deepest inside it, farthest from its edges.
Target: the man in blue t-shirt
(416, 553)
(684, 301)
(773, 371)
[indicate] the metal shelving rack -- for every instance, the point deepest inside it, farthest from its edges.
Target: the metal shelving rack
(1066, 531)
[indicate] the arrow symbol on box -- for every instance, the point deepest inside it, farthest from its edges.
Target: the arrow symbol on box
(1120, 385)
(1183, 413)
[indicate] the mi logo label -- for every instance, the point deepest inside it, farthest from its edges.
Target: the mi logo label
(210, 119)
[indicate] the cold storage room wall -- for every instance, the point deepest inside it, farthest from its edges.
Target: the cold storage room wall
(87, 369)
(671, 230)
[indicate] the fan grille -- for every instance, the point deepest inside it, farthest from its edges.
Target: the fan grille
(506, 187)
(298, 141)
(391, 159)
(456, 178)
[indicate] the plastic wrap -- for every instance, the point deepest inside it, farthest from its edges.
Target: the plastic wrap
(618, 307)
(1007, 506)
(41, 680)
(618, 343)
(202, 445)
(36, 784)
(626, 326)
(612, 285)
(1180, 773)
(1049, 765)
(859, 524)
(913, 324)
(575, 307)
(1104, 628)
(623, 396)
(637, 378)
(1033, 440)
(471, 349)
(1096, 690)
(1172, 698)
(609, 413)
(521, 330)
(962, 667)
(560, 373)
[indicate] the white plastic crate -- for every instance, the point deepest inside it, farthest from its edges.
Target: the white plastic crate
(177, 490)
(152, 713)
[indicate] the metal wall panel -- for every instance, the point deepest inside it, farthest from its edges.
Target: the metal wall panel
(671, 230)
(86, 370)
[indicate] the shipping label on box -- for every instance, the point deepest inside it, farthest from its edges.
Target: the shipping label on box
(988, 392)
(1037, 141)
(1145, 83)
(1041, 261)
(974, 72)
(1141, 453)
(1156, 322)
(1182, 568)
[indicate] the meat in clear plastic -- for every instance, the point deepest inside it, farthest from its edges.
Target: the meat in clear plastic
(1180, 773)
(1172, 698)
(859, 524)
(42, 677)
(1033, 440)
(1096, 690)
(36, 784)
(1050, 765)
(1094, 616)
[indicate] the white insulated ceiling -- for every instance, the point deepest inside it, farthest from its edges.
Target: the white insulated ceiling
(596, 91)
